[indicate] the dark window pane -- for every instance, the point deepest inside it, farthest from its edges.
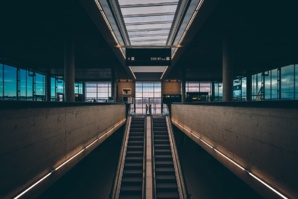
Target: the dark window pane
(287, 82)
(1, 81)
(10, 83)
(22, 85)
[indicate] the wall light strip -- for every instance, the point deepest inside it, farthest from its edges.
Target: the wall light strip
(232, 161)
(109, 26)
(164, 72)
(36, 183)
(188, 25)
(268, 186)
(64, 163)
(132, 72)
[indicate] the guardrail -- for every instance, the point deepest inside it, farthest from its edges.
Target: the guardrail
(118, 177)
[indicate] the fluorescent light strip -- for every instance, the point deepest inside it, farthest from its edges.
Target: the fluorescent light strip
(188, 25)
(268, 186)
(132, 72)
(235, 163)
(36, 183)
(109, 26)
(164, 72)
(64, 163)
(232, 161)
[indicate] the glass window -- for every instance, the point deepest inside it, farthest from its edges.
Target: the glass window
(99, 91)
(53, 89)
(217, 91)
(274, 84)
(237, 92)
(267, 82)
(296, 81)
(30, 78)
(10, 83)
(39, 87)
(148, 22)
(146, 91)
(22, 85)
(287, 82)
(243, 88)
(1, 81)
(59, 85)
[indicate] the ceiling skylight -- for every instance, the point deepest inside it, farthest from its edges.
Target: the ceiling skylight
(148, 22)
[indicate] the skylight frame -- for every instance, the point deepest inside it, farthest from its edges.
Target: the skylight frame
(147, 20)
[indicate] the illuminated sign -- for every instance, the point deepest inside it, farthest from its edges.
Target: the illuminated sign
(148, 56)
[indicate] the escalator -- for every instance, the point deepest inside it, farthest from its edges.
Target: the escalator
(165, 177)
(132, 185)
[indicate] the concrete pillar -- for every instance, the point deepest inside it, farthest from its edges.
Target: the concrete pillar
(69, 69)
(48, 86)
(183, 86)
(248, 87)
(227, 70)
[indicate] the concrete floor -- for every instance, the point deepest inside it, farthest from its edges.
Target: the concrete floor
(205, 177)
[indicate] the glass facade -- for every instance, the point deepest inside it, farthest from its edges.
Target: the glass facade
(20, 84)
(97, 91)
(217, 91)
(148, 92)
(276, 84)
(199, 88)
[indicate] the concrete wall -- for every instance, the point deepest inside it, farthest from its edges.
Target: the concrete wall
(262, 140)
(34, 141)
(171, 88)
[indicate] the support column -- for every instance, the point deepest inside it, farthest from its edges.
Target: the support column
(48, 86)
(248, 87)
(183, 86)
(227, 70)
(69, 69)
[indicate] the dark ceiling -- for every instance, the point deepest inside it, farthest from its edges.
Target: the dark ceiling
(263, 33)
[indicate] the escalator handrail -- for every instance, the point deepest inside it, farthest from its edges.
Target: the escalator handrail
(118, 177)
(178, 170)
(144, 159)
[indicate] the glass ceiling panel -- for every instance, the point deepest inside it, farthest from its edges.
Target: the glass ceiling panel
(148, 27)
(149, 19)
(148, 22)
(148, 10)
(148, 38)
(133, 2)
(146, 32)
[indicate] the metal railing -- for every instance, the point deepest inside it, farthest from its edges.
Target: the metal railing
(178, 171)
(118, 177)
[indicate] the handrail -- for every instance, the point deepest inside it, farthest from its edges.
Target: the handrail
(144, 159)
(118, 177)
(178, 170)
(153, 159)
